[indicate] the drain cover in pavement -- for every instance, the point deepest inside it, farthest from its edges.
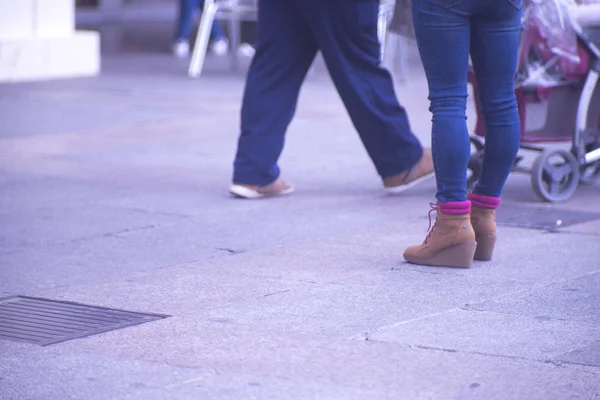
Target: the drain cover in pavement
(540, 218)
(44, 322)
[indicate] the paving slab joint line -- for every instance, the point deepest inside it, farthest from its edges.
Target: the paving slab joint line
(367, 335)
(163, 213)
(127, 277)
(231, 251)
(461, 308)
(122, 232)
(570, 231)
(595, 370)
(558, 364)
(573, 362)
(512, 314)
(530, 289)
(232, 302)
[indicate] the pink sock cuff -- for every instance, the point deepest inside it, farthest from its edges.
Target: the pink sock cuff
(482, 201)
(455, 207)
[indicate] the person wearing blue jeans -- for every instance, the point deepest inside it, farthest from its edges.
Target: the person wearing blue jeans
(181, 47)
(290, 32)
(447, 33)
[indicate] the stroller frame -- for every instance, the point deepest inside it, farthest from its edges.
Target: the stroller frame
(551, 181)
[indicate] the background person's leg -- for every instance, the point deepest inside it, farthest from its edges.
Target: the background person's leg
(181, 46)
(285, 50)
(248, 39)
(443, 36)
(346, 32)
(248, 32)
(219, 45)
(494, 49)
(185, 18)
(216, 32)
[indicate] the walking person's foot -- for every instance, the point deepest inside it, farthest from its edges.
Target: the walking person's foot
(246, 50)
(220, 47)
(419, 172)
(277, 188)
(181, 49)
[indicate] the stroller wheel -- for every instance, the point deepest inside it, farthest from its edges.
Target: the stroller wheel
(475, 162)
(474, 169)
(476, 143)
(555, 175)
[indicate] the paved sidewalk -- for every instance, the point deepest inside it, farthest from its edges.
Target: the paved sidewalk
(113, 193)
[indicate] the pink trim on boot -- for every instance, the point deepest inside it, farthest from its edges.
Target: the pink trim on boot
(481, 201)
(455, 207)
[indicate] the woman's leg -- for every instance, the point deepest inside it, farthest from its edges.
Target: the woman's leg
(494, 50)
(443, 33)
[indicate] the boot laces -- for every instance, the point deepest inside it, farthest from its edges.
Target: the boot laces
(434, 207)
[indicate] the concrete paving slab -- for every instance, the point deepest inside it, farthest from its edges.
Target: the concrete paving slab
(96, 260)
(374, 250)
(47, 226)
(586, 355)
(588, 228)
(360, 304)
(493, 333)
(333, 258)
(51, 374)
(514, 214)
(237, 386)
(8, 347)
(25, 192)
(396, 370)
(573, 300)
(175, 290)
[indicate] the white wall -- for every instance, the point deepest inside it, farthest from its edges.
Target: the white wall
(38, 41)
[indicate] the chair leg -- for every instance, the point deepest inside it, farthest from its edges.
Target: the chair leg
(206, 21)
(234, 40)
(403, 55)
(390, 52)
(382, 30)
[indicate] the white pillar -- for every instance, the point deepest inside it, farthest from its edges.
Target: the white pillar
(38, 41)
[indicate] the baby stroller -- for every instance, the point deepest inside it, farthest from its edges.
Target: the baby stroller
(558, 92)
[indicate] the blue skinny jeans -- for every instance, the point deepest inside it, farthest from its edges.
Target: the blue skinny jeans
(448, 32)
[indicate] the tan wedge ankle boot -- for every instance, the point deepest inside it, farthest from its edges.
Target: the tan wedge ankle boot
(450, 243)
(484, 225)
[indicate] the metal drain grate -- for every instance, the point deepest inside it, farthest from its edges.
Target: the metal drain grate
(540, 218)
(44, 322)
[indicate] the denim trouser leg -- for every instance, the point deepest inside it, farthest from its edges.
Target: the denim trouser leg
(494, 43)
(447, 32)
(289, 33)
(285, 50)
(346, 32)
(216, 32)
(186, 17)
